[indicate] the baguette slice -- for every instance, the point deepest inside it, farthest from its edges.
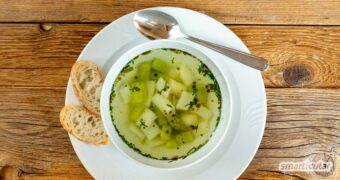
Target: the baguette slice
(84, 125)
(87, 81)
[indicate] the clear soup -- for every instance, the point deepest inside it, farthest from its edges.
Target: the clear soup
(165, 104)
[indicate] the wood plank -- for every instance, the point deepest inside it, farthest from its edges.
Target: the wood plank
(324, 12)
(302, 124)
(298, 56)
(33, 144)
(43, 45)
(298, 128)
(42, 54)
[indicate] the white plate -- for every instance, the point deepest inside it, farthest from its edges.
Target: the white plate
(247, 89)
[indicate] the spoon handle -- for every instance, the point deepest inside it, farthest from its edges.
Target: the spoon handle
(242, 57)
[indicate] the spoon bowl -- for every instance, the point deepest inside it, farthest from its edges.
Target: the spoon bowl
(157, 25)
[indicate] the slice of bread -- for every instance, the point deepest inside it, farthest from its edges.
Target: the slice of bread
(83, 124)
(87, 81)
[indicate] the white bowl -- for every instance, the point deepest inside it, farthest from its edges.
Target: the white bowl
(192, 159)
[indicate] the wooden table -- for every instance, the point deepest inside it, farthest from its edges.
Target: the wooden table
(41, 39)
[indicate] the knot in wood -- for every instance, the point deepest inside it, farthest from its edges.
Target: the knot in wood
(9, 172)
(326, 158)
(297, 75)
(45, 27)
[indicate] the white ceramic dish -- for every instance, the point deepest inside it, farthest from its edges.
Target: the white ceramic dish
(196, 157)
(246, 87)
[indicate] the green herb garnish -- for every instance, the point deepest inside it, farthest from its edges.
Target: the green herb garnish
(142, 124)
(134, 89)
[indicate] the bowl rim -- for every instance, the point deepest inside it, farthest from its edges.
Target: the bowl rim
(129, 55)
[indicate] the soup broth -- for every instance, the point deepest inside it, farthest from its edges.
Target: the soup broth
(165, 104)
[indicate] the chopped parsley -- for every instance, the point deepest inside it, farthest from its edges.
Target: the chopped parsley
(203, 69)
(194, 88)
(145, 53)
(142, 124)
(134, 89)
(194, 127)
(165, 88)
(193, 103)
(127, 69)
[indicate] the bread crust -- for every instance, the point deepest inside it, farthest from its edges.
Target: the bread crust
(76, 85)
(63, 120)
(87, 108)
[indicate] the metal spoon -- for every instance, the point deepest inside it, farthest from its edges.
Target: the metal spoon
(158, 25)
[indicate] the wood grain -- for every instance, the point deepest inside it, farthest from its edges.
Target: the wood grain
(34, 46)
(41, 39)
(299, 56)
(34, 145)
(324, 12)
(302, 124)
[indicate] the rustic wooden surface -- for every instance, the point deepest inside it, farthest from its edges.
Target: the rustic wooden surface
(325, 12)
(40, 40)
